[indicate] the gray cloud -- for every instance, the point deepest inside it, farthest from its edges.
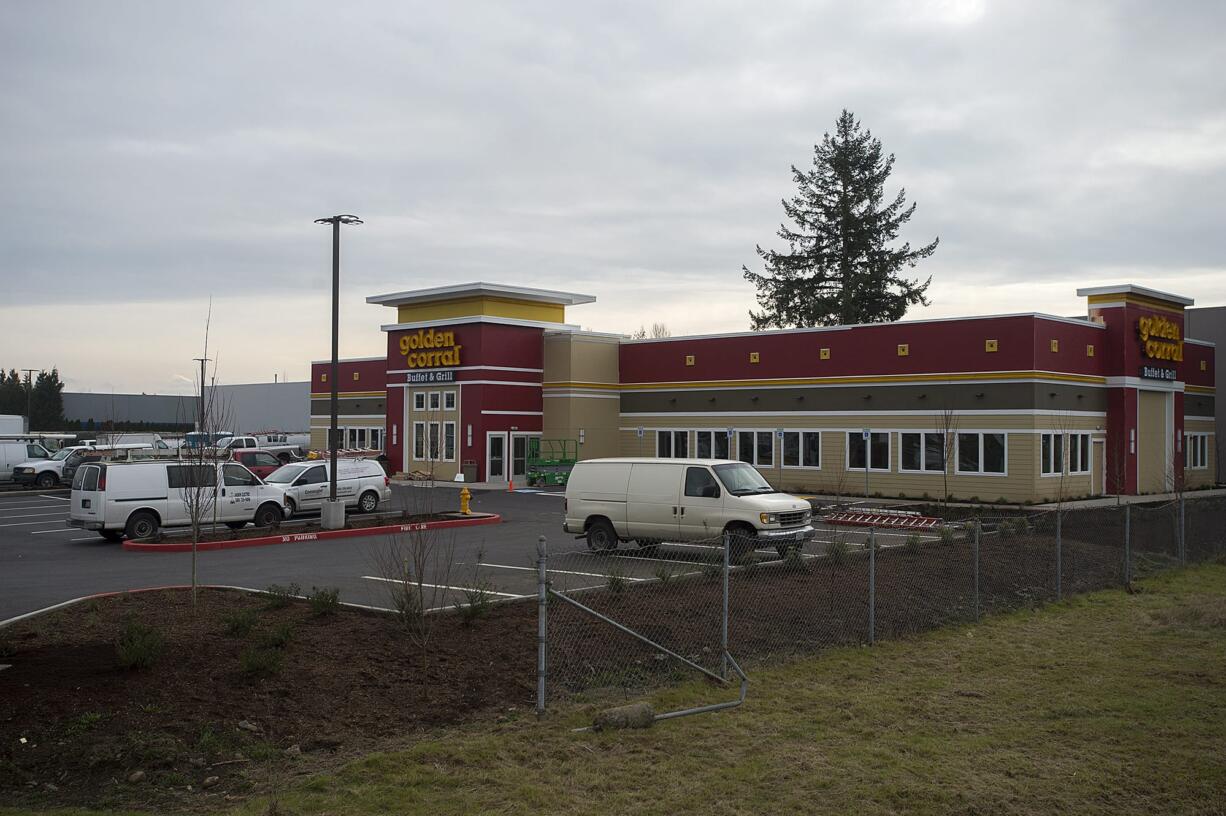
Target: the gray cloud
(163, 152)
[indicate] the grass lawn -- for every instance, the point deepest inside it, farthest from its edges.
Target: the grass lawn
(1109, 703)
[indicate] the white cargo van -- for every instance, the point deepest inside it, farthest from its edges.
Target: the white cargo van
(137, 499)
(654, 500)
(14, 453)
(359, 482)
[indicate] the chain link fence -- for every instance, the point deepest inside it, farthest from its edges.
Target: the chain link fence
(642, 614)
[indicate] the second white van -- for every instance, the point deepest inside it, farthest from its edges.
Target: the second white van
(359, 482)
(654, 500)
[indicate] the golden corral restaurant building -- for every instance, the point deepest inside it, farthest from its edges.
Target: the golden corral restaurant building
(1025, 407)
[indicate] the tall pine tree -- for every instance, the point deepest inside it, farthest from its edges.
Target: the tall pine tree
(841, 267)
(47, 401)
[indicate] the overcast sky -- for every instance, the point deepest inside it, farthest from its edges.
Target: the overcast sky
(156, 154)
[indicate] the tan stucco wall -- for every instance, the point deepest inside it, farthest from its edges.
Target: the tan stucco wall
(574, 405)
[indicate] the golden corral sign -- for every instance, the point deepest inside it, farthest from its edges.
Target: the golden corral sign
(1160, 338)
(430, 348)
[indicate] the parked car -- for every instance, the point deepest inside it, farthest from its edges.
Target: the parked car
(260, 462)
(653, 500)
(286, 453)
(137, 499)
(14, 453)
(47, 473)
(359, 482)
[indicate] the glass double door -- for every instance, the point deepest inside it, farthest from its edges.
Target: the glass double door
(506, 450)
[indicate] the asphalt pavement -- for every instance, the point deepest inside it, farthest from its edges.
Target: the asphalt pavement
(44, 562)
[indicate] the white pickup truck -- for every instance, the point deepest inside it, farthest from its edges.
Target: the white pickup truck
(286, 453)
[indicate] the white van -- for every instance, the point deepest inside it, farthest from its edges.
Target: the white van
(16, 453)
(137, 499)
(359, 482)
(653, 500)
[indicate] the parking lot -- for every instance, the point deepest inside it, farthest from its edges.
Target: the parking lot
(43, 562)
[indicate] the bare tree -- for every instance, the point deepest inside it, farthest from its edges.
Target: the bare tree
(947, 427)
(657, 331)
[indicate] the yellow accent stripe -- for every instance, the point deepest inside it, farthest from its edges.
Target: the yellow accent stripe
(1137, 300)
(348, 394)
(889, 378)
(1200, 389)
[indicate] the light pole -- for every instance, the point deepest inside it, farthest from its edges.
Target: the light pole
(332, 517)
(200, 412)
(29, 372)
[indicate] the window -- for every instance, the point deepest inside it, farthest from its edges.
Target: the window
(802, 449)
(376, 439)
(1196, 451)
(265, 460)
(315, 475)
(981, 453)
(238, 476)
(1079, 453)
(361, 438)
(878, 451)
(756, 447)
(699, 483)
(419, 441)
(434, 441)
(672, 444)
(449, 441)
(711, 444)
(36, 452)
(419, 400)
(922, 452)
(448, 400)
(1051, 454)
(184, 476)
(91, 478)
(435, 400)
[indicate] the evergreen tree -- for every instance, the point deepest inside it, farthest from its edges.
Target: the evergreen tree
(12, 393)
(47, 401)
(841, 267)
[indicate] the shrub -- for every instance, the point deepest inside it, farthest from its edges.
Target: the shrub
(239, 622)
(836, 550)
(945, 533)
(713, 571)
(478, 600)
(912, 544)
(139, 646)
(326, 601)
(280, 597)
(663, 574)
(7, 647)
(793, 558)
(278, 637)
(256, 662)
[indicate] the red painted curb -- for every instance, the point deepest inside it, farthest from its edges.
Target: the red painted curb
(320, 535)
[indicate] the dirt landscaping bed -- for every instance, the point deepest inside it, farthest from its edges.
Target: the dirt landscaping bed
(299, 527)
(236, 684)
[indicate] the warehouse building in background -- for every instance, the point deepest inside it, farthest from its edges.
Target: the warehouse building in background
(1024, 407)
(250, 408)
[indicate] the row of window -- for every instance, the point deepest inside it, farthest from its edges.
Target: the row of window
(434, 441)
(362, 438)
(436, 400)
(972, 452)
(1196, 451)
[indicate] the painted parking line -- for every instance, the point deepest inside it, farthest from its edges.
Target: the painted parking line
(5, 507)
(65, 530)
(57, 498)
(60, 514)
(452, 587)
(25, 523)
(559, 572)
(87, 538)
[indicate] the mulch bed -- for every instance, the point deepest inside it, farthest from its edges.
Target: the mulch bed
(348, 682)
(224, 533)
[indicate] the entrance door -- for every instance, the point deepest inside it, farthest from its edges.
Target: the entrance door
(1153, 442)
(519, 456)
(496, 457)
(1099, 484)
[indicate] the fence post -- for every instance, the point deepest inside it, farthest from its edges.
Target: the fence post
(541, 628)
(1059, 560)
(1183, 541)
(978, 526)
(1127, 544)
(872, 585)
(723, 637)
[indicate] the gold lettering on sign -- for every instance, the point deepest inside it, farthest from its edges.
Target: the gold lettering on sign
(1161, 339)
(430, 348)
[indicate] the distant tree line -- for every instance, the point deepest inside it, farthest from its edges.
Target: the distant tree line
(43, 399)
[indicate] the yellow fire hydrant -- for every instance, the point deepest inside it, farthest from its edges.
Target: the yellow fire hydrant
(465, 496)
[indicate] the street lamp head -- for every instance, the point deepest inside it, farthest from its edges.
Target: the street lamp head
(340, 219)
